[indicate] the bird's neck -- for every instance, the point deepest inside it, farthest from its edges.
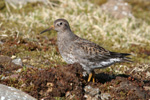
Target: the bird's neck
(64, 40)
(65, 36)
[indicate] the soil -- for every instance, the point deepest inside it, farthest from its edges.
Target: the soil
(49, 83)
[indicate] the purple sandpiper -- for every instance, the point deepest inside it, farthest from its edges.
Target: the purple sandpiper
(89, 55)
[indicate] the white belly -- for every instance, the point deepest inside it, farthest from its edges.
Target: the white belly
(69, 58)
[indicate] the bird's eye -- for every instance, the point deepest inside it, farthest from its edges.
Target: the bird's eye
(61, 23)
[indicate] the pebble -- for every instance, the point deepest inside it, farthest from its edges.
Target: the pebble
(17, 61)
(117, 8)
(1, 43)
(13, 57)
(92, 93)
(10, 93)
(105, 96)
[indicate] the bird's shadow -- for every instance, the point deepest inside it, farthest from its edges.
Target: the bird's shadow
(104, 77)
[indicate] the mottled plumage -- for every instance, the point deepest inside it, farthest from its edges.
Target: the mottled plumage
(74, 49)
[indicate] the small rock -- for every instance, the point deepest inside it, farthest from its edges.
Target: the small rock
(19, 70)
(3, 77)
(5, 59)
(50, 87)
(13, 57)
(84, 74)
(117, 8)
(1, 43)
(105, 96)
(14, 76)
(24, 60)
(147, 74)
(135, 90)
(10, 93)
(69, 96)
(29, 66)
(17, 61)
(23, 85)
(146, 88)
(91, 93)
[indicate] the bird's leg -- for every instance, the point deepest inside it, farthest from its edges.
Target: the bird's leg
(90, 76)
(93, 77)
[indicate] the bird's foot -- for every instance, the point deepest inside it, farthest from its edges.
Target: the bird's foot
(91, 75)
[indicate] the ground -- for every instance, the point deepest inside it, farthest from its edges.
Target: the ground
(44, 69)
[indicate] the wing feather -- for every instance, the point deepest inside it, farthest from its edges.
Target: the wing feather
(95, 53)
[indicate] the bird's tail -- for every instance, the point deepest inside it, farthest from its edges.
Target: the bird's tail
(122, 56)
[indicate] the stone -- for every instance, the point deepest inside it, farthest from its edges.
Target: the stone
(10, 93)
(117, 8)
(17, 61)
(92, 93)
(105, 96)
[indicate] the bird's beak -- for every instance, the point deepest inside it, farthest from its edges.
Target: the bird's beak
(52, 27)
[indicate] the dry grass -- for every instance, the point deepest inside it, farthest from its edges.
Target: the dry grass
(87, 20)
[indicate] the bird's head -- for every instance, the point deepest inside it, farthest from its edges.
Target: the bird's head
(60, 25)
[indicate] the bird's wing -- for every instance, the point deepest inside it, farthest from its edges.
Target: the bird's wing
(93, 52)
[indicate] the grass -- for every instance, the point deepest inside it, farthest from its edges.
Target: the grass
(129, 35)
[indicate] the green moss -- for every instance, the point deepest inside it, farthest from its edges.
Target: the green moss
(140, 9)
(123, 94)
(98, 2)
(59, 98)
(2, 5)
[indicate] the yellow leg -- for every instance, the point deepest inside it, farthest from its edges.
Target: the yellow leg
(90, 76)
(93, 77)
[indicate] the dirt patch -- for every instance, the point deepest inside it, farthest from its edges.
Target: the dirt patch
(124, 88)
(67, 81)
(141, 50)
(6, 65)
(50, 82)
(43, 74)
(55, 82)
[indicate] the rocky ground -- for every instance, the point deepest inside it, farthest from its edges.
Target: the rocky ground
(31, 62)
(67, 81)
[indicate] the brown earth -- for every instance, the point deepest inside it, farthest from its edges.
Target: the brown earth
(56, 82)
(59, 81)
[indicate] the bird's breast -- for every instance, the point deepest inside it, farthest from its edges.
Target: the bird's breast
(69, 58)
(66, 52)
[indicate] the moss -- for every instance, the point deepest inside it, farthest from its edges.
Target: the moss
(140, 9)
(59, 98)
(98, 2)
(2, 5)
(20, 30)
(123, 94)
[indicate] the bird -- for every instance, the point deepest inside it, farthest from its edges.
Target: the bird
(89, 55)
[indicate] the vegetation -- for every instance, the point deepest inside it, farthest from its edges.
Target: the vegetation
(20, 28)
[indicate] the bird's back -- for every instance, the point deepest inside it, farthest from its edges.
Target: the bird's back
(93, 56)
